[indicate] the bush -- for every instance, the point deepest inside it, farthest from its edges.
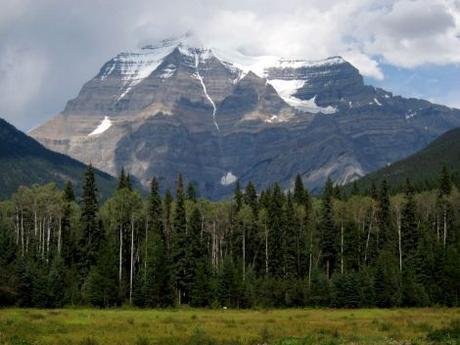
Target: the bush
(443, 335)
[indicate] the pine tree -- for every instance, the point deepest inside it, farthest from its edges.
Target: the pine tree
(409, 231)
(159, 280)
(291, 237)
(191, 192)
(69, 240)
(445, 207)
(292, 252)
(299, 191)
(346, 290)
(102, 280)
(238, 196)
(355, 189)
(387, 281)
(373, 191)
(25, 282)
(92, 234)
(250, 197)
(387, 234)
(69, 194)
(155, 208)
(226, 283)
(329, 233)
(276, 235)
(181, 243)
(124, 180)
(445, 185)
(56, 284)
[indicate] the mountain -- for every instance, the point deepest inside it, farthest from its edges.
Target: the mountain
(217, 116)
(422, 168)
(24, 161)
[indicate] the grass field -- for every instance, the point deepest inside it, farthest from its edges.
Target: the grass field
(232, 327)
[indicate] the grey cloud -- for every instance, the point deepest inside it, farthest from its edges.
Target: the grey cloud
(55, 46)
(409, 20)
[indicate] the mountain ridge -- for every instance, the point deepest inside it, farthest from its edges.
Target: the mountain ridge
(179, 108)
(24, 161)
(423, 168)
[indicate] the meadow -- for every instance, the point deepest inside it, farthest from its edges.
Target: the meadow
(231, 327)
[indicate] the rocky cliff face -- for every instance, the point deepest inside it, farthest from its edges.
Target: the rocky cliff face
(221, 116)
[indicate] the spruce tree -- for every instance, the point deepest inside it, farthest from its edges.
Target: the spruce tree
(92, 234)
(181, 243)
(226, 285)
(69, 241)
(329, 234)
(373, 191)
(409, 231)
(238, 196)
(355, 189)
(299, 191)
(124, 180)
(276, 233)
(250, 197)
(69, 194)
(445, 184)
(291, 240)
(191, 192)
(386, 232)
(387, 280)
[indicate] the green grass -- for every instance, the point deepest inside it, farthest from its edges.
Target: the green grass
(231, 327)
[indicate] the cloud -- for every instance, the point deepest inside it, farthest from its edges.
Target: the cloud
(49, 48)
(416, 32)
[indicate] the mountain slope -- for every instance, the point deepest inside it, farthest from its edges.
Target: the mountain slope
(179, 106)
(424, 167)
(24, 161)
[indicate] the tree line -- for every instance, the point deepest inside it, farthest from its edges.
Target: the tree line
(275, 248)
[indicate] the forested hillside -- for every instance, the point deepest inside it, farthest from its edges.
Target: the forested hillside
(423, 167)
(24, 161)
(274, 249)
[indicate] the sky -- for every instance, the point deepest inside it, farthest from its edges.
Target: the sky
(49, 48)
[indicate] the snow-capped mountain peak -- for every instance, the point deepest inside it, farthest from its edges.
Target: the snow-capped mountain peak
(219, 115)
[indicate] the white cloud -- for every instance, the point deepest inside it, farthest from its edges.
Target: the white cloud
(365, 64)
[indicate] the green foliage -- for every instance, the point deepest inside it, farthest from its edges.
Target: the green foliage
(329, 236)
(446, 335)
(275, 249)
(423, 167)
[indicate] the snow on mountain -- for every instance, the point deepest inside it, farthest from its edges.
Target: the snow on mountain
(260, 65)
(105, 124)
(134, 66)
(228, 179)
(198, 76)
(288, 88)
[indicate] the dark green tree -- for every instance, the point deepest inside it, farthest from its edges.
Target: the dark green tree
(329, 234)
(409, 230)
(124, 180)
(299, 191)
(191, 192)
(250, 197)
(181, 244)
(91, 231)
(276, 233)
(386, 237)
(69, 194)
(445, 184)
(238, 196)
(387, 281)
